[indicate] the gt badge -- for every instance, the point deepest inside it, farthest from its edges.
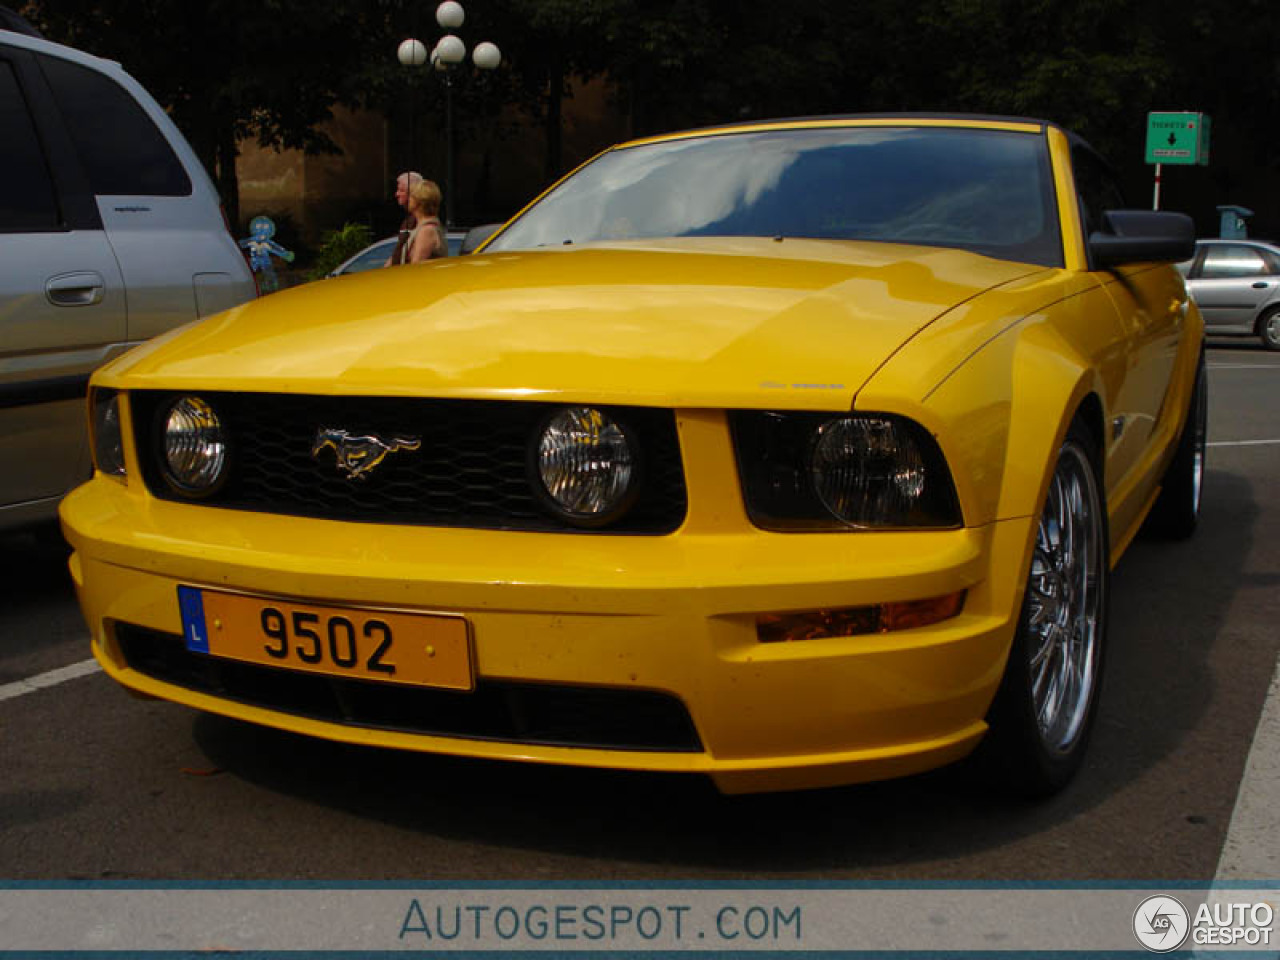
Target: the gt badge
(358, 456)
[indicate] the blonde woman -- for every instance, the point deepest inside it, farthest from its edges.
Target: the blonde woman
(426, 240)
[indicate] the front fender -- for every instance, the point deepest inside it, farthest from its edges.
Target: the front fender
(1011, 406)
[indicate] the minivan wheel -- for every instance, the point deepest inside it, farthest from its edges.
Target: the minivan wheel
(1043, 713)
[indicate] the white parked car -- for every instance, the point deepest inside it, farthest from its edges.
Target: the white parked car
(375, 255)
(110, 233)
(1236, 285)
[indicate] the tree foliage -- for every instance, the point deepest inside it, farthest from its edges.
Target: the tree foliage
(273, 69)
(337, 246)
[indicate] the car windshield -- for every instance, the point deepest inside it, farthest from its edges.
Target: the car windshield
(989, 191)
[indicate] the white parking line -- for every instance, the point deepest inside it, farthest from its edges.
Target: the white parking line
(1242, 443)
(1244, 366)
(1252, 850)
(43, 681)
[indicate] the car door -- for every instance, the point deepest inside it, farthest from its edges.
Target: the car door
(1231, 282)
(1149, 301)
(62, 298)
(145, 197)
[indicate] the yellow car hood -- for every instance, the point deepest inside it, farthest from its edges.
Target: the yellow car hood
(695, 322)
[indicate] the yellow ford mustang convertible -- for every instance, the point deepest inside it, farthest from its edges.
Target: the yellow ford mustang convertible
(793, 453)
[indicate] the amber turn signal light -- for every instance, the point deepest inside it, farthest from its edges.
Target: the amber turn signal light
(852, 621)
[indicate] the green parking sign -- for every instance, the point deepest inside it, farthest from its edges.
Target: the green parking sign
(1178, 138)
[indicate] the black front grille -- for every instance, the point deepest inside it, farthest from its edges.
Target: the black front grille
(547, 714)
(471, 470)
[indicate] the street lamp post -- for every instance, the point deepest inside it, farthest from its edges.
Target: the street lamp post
(412, 53)
(449, 54)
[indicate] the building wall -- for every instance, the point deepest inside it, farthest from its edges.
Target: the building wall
(319, 193)
(499, 166)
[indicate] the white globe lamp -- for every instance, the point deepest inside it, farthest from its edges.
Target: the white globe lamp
(450, 15)
(487, 56)
(451, 49)
(412, 53)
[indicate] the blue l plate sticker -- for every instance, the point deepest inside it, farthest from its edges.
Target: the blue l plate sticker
(191, 603)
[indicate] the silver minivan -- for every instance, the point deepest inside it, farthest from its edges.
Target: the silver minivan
(110, 233)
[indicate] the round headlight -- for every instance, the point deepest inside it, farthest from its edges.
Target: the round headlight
(868, 471)
(194, 447)
(586, 465)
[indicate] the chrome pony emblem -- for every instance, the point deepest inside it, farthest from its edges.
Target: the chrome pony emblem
(357, 456)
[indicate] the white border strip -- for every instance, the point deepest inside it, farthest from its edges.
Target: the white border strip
(51, 679)
(550, 921)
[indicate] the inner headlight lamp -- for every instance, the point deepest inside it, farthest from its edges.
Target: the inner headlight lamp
(868, 471)
(586, 466)
(804, 470)
(108, 441)
(193, 447)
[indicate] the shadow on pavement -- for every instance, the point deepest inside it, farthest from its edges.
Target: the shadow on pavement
(34, 559)
(40, 623)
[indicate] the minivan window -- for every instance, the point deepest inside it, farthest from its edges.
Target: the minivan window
(27, 200)
(122, 151)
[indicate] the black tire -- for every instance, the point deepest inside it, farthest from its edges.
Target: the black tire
(1177, 509)
(1269, 329)
(1042, 715)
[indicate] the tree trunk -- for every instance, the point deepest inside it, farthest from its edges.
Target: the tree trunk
(228, 183)
(482, 191)
(203, 141)
(555, 97)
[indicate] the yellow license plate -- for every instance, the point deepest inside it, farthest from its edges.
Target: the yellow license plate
(430, 650)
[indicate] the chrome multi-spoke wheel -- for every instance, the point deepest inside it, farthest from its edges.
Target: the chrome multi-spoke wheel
(1064, 602)
(1043, 712)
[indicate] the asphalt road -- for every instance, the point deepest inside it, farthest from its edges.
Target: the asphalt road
(97, 785)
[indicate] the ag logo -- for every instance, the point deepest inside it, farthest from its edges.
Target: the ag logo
(1160, 923)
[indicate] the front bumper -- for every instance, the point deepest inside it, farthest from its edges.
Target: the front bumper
(672, 615)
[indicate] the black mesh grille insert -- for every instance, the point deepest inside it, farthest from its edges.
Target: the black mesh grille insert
(470, 471)
(549, 714)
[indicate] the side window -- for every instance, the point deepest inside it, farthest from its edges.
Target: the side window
(27, 199)
(120, 148)
(1096, 187)
(1224, 261)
